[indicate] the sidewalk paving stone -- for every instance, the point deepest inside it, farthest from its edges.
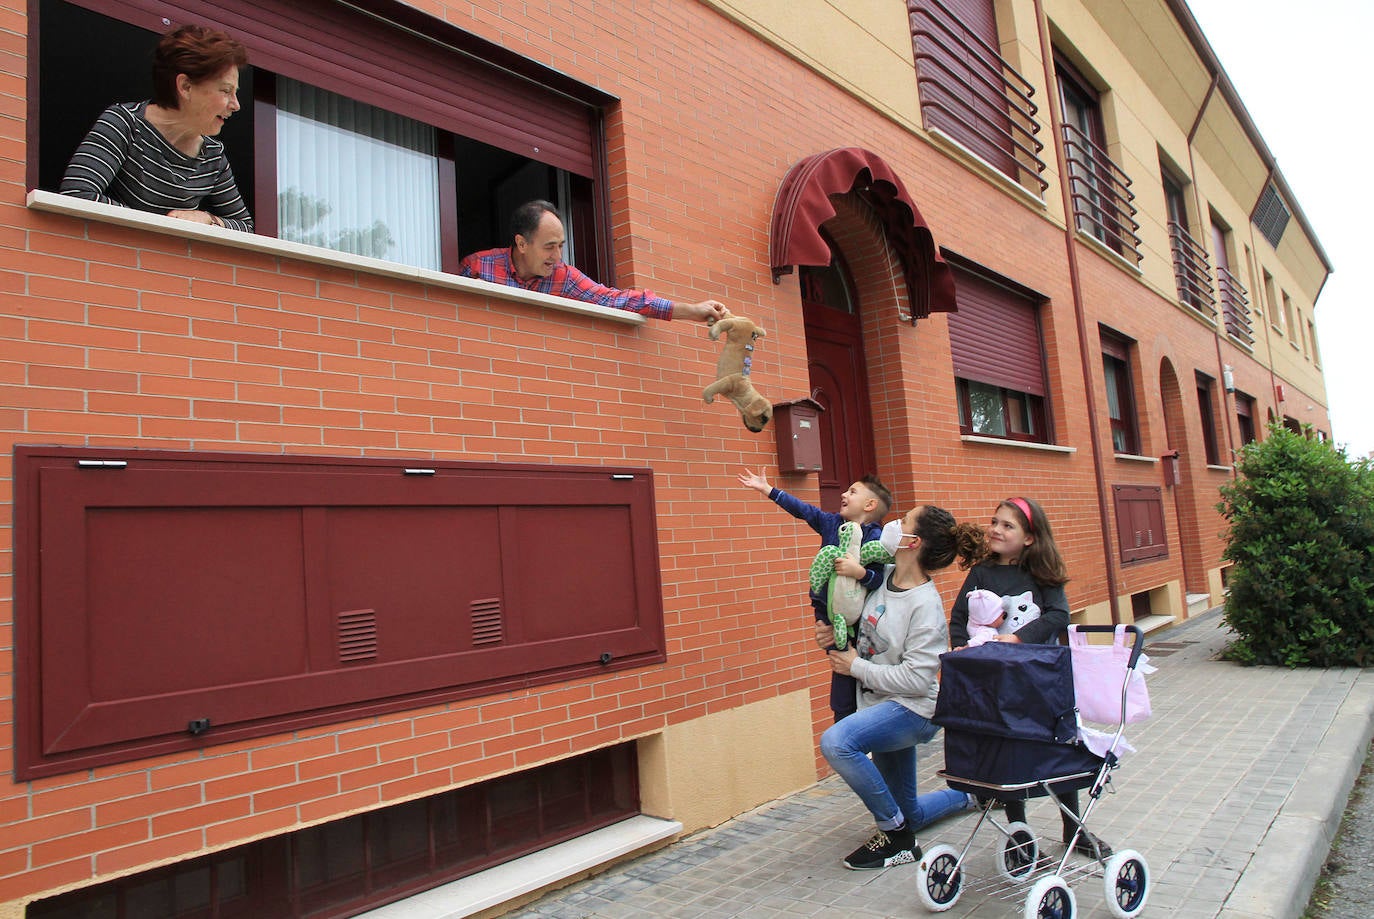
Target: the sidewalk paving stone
(1232, 799)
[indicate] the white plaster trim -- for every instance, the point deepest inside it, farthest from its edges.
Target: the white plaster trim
(1023, 444)
(1136, 458)
(54, 203)
(504, 883)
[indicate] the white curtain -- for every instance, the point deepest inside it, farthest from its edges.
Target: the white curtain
(355, 178)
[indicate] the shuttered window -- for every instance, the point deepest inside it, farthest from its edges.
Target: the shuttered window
(999, 363)
(1116, 371)
(995, 336)
(385, 54)
(175, 599)
(969, 91)
(1140, 522)
(509, 129)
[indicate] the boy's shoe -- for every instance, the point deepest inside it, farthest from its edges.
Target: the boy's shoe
(1083, 845)
(885, 849)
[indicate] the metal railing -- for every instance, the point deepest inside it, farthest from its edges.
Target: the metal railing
(962, 77)
(1235, 308)
(1101, 194)
(1192, 272)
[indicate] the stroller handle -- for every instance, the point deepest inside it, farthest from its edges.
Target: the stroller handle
(1137, 638)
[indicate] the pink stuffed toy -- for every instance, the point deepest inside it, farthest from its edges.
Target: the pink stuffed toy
(984, 615)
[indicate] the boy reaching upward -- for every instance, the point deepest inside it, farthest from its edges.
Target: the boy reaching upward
(864, 503)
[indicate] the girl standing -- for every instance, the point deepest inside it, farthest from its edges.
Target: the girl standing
(1024, 558)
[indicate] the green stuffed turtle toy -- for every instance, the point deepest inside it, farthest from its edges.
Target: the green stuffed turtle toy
(844, 596)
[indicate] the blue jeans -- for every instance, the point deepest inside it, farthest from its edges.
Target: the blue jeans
(887, 782)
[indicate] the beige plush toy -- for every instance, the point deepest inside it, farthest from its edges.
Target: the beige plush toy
(732, 371)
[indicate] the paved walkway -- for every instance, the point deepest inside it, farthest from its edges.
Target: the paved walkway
(1233, 799)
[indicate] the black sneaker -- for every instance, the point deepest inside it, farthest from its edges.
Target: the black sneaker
(885, 849)
(1083, 845)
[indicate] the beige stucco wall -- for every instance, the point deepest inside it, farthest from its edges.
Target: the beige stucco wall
(703, 772)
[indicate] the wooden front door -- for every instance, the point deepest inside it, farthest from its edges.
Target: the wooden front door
(839, 377)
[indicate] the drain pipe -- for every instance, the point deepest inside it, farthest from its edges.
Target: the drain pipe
(1071, 249)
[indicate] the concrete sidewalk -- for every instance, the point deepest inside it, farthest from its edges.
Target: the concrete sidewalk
(1233, 800)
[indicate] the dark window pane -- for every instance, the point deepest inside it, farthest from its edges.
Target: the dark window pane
(398, 843)
(514, 805)
(460, 827)
(985, 403)
(563, 797)
(329, 860)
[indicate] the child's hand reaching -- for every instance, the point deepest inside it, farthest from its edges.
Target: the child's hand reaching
(849, 567)
(748, 479)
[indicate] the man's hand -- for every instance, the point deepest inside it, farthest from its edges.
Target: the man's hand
(705, 311)
(748, 479)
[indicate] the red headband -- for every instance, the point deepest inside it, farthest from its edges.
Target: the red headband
(1023, 506)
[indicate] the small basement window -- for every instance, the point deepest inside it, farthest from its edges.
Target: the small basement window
(363, 861)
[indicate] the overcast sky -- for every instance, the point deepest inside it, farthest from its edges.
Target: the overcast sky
(1301, 71)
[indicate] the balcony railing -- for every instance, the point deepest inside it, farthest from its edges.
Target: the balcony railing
(969, 90)
(1101, 194)
(1235, 308)
(1192, 272)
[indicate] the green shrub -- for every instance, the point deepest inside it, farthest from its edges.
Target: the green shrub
(1301, 590)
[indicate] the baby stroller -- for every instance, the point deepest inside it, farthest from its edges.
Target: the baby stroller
(1012, 732)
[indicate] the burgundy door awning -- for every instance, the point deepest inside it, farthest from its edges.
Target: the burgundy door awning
(803, 204)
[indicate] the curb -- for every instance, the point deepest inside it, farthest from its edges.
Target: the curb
(1280, 878)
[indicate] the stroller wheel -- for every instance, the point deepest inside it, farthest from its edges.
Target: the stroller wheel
(1126, 878)
(939, 879)
(1050, 898)
(1020, 852)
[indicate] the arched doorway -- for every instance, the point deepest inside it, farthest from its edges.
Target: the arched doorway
(874, 266)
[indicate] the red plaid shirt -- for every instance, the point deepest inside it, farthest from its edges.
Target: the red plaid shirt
(495, 265)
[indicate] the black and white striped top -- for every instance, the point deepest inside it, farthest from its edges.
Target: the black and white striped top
(126, 160)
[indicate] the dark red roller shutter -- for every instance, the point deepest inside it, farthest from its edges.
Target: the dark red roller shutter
(511, 103)
(956, 43)
(995, 336)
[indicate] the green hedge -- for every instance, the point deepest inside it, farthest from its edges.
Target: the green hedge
(1301, 591)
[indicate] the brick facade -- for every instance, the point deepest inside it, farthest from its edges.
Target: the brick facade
(122, 336)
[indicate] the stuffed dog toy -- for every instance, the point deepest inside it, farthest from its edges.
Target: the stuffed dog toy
(732, 371)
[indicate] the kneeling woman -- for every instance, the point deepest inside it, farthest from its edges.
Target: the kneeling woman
(902, 633)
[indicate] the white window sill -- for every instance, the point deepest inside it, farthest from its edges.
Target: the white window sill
(1135, 458)
(54, 203)
(488, 889)
(1023, 444)
(1212, 467)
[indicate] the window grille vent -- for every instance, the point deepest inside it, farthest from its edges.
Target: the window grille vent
(1271, 215)
(486, 622)
(357, 635)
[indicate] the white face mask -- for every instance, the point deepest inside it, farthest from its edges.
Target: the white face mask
(892, 537)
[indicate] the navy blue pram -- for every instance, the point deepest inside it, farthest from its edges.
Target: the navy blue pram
(1009, 718)
(1012, 732)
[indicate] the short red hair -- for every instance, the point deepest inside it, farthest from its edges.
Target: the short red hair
(199, 52)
